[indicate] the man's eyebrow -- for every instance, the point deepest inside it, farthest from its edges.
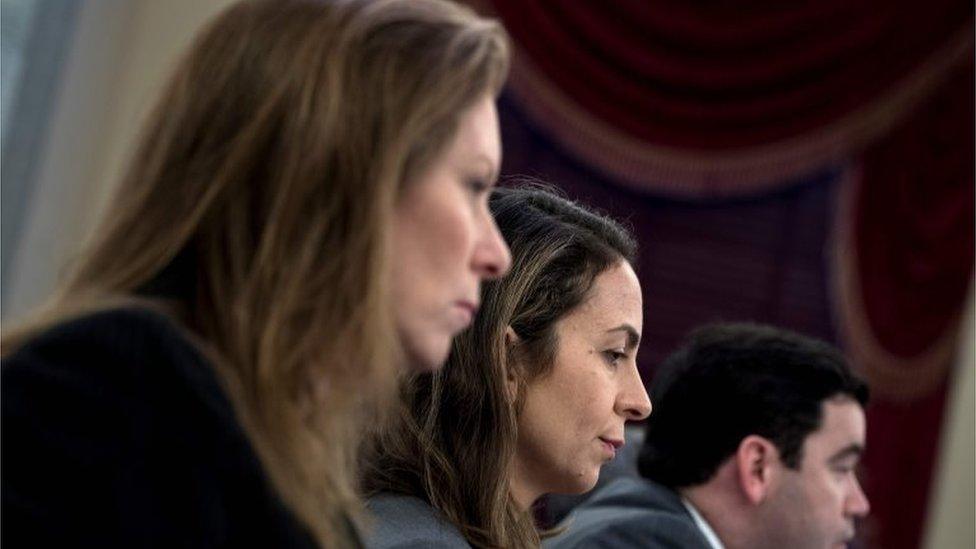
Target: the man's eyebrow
(633, 338)
(850, 450)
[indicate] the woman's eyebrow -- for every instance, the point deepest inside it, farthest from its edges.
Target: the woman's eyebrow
(633, 338)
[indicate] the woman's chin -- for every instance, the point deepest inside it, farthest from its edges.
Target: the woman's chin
(579, 484)
(427, 356)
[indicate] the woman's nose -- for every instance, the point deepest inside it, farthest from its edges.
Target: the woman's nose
(633, 402)
(492, 257)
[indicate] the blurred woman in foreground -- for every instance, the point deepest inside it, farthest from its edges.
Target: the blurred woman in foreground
(306, 213)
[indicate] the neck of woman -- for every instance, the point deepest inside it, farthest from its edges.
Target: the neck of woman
(524, 492)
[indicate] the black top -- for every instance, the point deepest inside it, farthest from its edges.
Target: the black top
(116, 433)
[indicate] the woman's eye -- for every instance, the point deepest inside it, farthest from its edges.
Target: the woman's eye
(614, 356)
(478, 186)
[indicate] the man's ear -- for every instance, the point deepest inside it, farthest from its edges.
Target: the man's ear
(758, 467)
(511, 366)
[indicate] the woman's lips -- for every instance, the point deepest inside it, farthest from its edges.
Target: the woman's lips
(466, 311)
(611, 445)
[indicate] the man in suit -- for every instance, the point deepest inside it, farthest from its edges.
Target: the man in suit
(753, 442)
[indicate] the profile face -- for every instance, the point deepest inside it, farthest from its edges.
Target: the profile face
(572, 419)
(445, 241)
(817, 505)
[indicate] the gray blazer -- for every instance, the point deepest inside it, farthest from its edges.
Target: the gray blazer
(407, 522)
(630, 513)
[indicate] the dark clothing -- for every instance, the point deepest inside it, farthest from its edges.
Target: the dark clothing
(631, 512)
(117, 433)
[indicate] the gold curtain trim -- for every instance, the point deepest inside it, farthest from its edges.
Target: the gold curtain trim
(890, 376)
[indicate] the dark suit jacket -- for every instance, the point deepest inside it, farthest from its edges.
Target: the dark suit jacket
(117, 433)
(630, 513)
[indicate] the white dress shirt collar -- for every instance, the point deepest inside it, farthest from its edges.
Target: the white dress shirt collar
(702, 525)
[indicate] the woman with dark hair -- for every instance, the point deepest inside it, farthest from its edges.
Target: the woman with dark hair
(534, 396)
(305, 215)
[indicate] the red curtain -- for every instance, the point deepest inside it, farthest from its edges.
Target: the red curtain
(727, 75)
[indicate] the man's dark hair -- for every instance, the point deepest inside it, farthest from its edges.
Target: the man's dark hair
(730, 381)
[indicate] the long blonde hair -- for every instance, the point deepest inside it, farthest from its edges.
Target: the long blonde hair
(453, 441)
(256, 213)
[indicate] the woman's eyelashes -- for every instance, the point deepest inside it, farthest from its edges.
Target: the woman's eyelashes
(615, 357)
(478, 186)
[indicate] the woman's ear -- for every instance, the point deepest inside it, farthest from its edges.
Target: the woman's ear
(511, 365)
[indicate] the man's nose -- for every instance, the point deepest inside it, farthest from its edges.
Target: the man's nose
(858, 504)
